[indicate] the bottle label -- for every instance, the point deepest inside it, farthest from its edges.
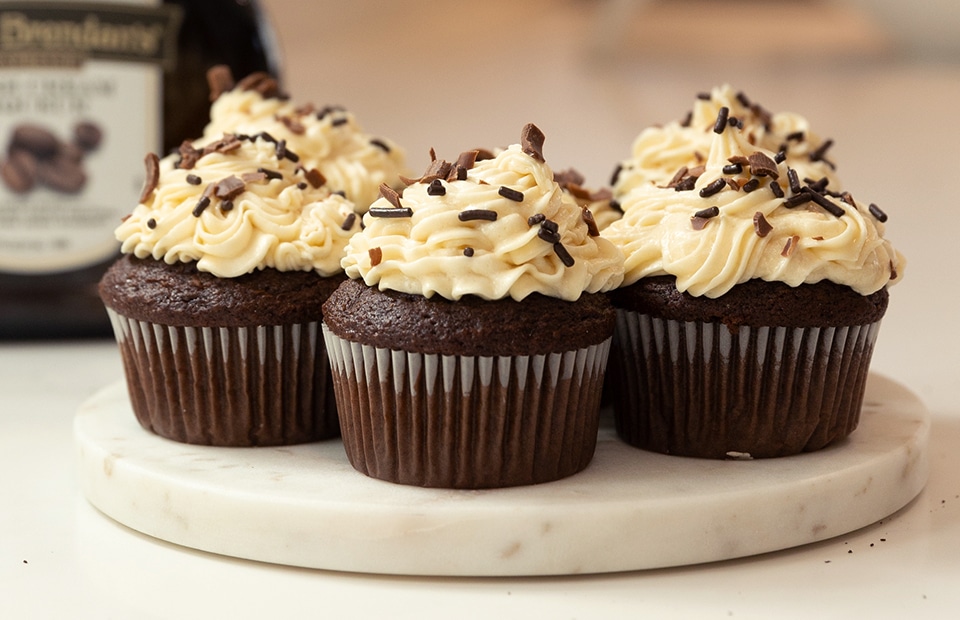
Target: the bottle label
(80, 106)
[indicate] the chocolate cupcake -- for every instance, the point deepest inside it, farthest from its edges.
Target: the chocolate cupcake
(217, 301)
(468, 350)
(750, 306)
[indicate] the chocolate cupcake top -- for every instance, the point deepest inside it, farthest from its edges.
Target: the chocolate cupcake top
(326, 138)
(494, 228)
(240, 204)
(748, 214)
(660, 152)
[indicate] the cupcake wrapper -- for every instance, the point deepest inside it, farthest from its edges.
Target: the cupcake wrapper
(467, 422)
(701, 389)
(228, 386)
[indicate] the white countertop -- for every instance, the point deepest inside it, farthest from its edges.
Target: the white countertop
(896, 134)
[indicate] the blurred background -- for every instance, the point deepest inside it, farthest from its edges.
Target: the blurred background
(880, 77)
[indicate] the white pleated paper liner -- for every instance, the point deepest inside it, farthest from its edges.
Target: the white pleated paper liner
(228, 386)
(463, 421)
(705, 390)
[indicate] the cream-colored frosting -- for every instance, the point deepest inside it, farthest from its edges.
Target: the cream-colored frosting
(658, 236)
(329, 140)
(659, 152)
(424, 253)
(285, 223)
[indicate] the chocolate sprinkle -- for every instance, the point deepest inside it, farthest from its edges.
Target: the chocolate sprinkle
(468, 252)
(531, 141)
(721, 122)
(349, 221)
(477, 214)
(751, 185)
(776, 189)
(535, 219)
(564, 255)
(616, 174)
(380, 144)
(315, 177)
(376, 255)
(390, 212)
(226, 205)
(436, 188)
(151, 223)
(794, 180)
(760, 225)
(686, 184)
(548, 235)
(510, 194)
(152, 164)
(271, 174)
(202, 204)
(821, 150)
(713, 188)
(798, 199)
(390, 194)
(707, 213)
(876, 212)
(733, 169)
(827, 204)
(193, 179)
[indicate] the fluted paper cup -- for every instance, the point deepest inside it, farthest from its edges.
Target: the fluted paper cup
(705, 390)
(467, 422)
(228, 386)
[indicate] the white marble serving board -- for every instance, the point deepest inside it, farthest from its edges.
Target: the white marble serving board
(630, 509)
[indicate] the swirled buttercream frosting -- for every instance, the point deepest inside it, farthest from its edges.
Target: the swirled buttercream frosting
(329, 139)
(236, 206)
(494, 228)
(661, 152)
(745, 213)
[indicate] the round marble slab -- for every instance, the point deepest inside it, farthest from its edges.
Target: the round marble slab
(630, 509)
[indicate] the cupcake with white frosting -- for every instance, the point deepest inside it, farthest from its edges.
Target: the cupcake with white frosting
(750, 305)
(217, 300)
(468, 348)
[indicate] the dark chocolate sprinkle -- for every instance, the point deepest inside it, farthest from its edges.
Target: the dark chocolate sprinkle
(193, 179)
(707, 213)
(535, 219)
(876, 212)
(794, 180)
(704, 96)
(616, 174)
(380, 144)
(776, 189)
(686, 184)
(713, 188)
(477, 214)
(781, 156)
(376, 255)
(734, 122)
(271, 174)
(751, 185)
(821, 150)
(151, 223)
(687, 119)
(461, 172)
(760, 225)
(564, 255)
(302, 185)
(329, 110)
(742, 98)
(468, 252)
(548, 232)
(798, 199)
(732, 169)
(202, 204)
(226, 205)
(436, 188)
(263, 135)
(616, 206)
(349, 221)
(796, 136)
(510, 194)
(721, 122)
(337, 122)
(550, 225)
(827, 204)
(390, 212)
